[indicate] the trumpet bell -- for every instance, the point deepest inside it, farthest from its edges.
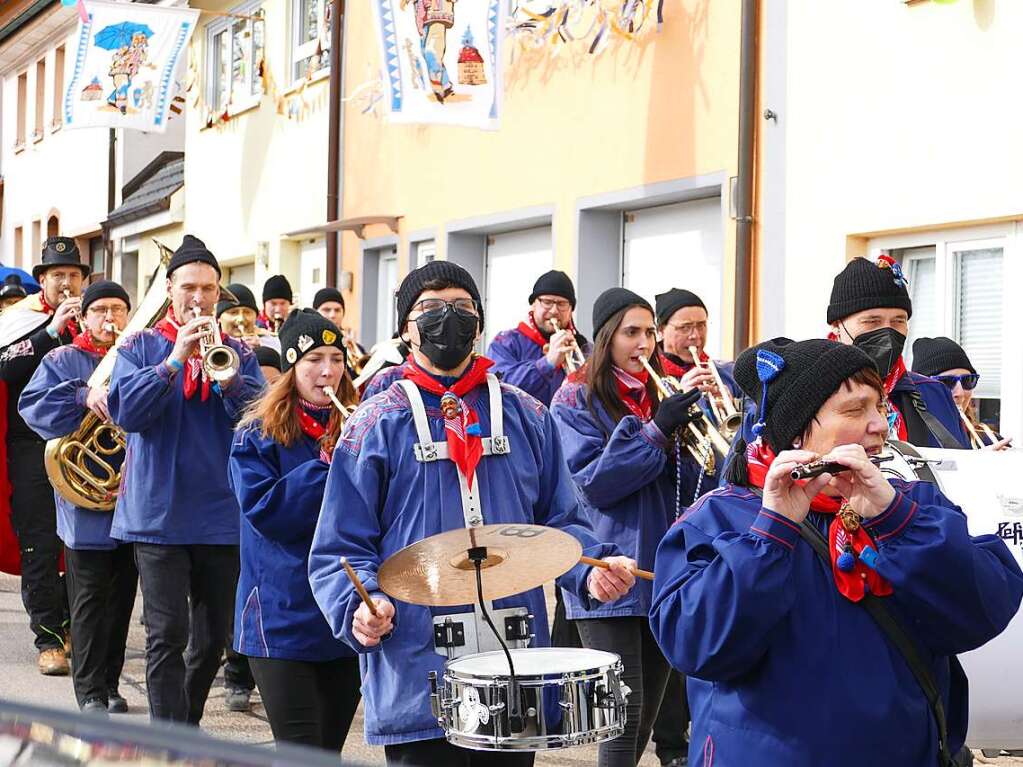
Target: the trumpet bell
(221, 363)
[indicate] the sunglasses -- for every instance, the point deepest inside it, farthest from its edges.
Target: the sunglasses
(968, 381)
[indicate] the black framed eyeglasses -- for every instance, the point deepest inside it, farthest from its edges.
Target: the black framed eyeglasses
(464, 305)
(969, 381)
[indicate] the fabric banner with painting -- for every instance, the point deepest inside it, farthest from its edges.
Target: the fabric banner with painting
(127, 65)
(442, 60)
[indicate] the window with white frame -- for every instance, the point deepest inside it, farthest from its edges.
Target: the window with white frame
(956, 285)
(387, 284)
(235, 49)
(310, 37)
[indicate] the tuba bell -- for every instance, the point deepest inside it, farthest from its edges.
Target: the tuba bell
(84, 466)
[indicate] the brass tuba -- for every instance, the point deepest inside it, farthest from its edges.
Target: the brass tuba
(81, 465)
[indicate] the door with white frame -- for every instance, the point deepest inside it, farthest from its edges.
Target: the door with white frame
(312, 270)
(957, 285)
(514, 261)
(678, 246)
(387, 284)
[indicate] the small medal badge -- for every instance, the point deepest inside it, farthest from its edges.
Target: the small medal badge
(450, 405)
(291, 354)
(849, 518)
(60, 247)
(329, 336)
(305, 343)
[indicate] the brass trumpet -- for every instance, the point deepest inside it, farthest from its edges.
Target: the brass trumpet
(702, 439)
(575, 358)
(722, 405)
(219, 362)
(77, 317)
(976, 442)
(332, 396)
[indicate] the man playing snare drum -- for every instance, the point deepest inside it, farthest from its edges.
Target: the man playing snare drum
(380, 498)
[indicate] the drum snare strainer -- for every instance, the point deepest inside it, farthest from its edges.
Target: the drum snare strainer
(568, 697)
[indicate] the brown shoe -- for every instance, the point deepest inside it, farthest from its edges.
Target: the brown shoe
(53, 662)
(67, 644)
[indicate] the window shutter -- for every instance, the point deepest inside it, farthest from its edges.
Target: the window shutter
(979, 288)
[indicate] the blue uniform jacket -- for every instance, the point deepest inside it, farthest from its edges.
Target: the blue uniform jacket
(279, 490)
(382, 380)
(379, 499)
(627, 485)
(519, 361)
(53, 405)
(783, 671)
(939, 402)
(174, 487)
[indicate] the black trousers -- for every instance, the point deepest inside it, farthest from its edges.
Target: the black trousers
(646, 674)
(672, 720)
(563, 631)
(34, 518)
(187, 602)
(237, 669)
(437, 752)
(101, 589)
(307, 702)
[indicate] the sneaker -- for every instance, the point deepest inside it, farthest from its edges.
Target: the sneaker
(94, 706)
(53, 662)
(238, 699)
(116, 704)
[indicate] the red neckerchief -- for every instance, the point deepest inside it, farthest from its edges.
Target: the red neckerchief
(633, 393)
(679, 368)
(193, 371)
(896, 424)
(72, 325)
(86, 343)
(853, 583)
(532, 332)
(313, 428)
(461, 424)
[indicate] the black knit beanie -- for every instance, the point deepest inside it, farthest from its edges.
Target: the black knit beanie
(444, 271)
(303, 331)
(104, 289)
(669, 303)
(268, 357)
(192, 250)
(244, 296)
(277, 287)
(554, 283)
(805, 374)
(932, 356)
(866, 285)
(612, 301)
(323, 295)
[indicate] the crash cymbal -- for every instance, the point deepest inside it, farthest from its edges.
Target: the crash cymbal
(437, 570)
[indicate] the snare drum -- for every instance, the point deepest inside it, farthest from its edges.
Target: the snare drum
(986, 486)
(567, 697)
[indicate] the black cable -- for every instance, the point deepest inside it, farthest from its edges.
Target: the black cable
(514, 718)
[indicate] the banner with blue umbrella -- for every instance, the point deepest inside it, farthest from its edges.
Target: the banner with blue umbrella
(120, 35)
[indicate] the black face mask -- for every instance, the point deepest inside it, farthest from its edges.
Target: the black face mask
(446, 336)
(883, 346)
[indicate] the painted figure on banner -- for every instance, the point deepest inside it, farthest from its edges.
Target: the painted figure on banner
(433, 20)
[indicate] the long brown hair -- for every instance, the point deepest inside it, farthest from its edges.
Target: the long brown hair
(600, 378)
(274, 413)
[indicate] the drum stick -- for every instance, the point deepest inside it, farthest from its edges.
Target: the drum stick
(359, 587)
(644, 574)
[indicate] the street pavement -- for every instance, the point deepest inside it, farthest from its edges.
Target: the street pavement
(21, 682)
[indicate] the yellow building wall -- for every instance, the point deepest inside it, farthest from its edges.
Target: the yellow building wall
(571, 126)
(252, 179)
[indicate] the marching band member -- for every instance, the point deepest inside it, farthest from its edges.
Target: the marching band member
(618, 439)
(682, 324)
(380, 498)
(28, 330)
(533, 355)
(330, 304)
(269, 363)
(308, 680)
(238, 319)
(786, 662)
(277, 299)
(389, 373)
(870, 308)
(175, 503)
(101, 576)
(11, 292)
(945, 361)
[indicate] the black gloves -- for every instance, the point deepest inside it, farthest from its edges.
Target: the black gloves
(673, 412)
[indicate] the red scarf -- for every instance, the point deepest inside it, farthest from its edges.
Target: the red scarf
(896, 424)
(672, 368)
(72, 326)
(632, 391)
(193, 371)
(461, 424)
(314, 430)
(532, 332)
(86, 343)
(846, 540)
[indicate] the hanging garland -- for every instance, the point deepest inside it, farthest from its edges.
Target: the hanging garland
(560, 23)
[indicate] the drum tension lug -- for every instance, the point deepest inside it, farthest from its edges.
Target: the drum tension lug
(449, 634)
(517, 628)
